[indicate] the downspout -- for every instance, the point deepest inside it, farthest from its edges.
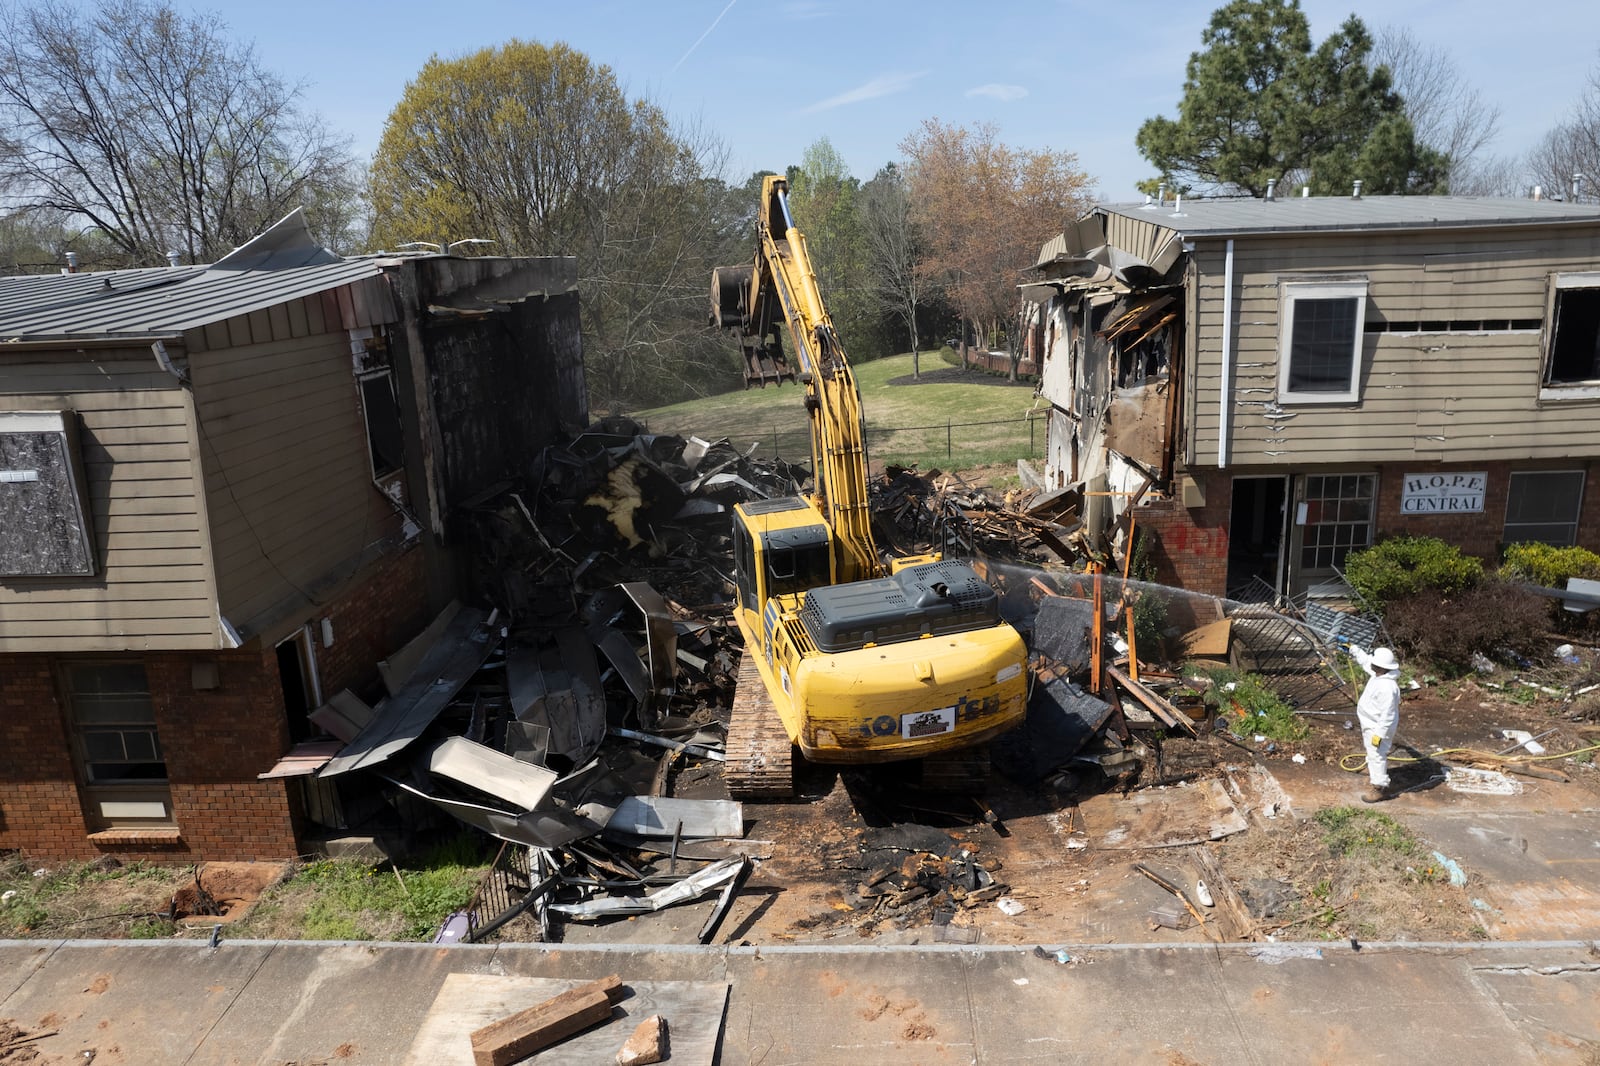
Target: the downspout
(1227, 359)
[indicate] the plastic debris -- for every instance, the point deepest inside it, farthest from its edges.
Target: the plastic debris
(1010, 906)
(1298, 758)
(1458, 876)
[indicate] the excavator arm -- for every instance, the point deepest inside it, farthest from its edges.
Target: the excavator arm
(782, 284)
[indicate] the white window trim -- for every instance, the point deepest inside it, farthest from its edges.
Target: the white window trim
(1292, 289)
(1583, 485)
(1576, 390)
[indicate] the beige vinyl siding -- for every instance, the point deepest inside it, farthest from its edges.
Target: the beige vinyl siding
(288, 480)
(154, 589)
(1460, 395)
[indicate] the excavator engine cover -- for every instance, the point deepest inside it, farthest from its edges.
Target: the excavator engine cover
(926, 600)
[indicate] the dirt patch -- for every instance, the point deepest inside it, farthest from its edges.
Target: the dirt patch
(1369, 879)
(17, 1044)
(223, 892)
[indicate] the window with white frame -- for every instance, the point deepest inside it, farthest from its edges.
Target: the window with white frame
(118, 748)
(1573, 339)
(1544, 505)
(382, 415)
(1336, 511)
(1320, 327)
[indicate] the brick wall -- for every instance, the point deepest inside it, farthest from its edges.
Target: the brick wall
(216, 741)
(1191, 550)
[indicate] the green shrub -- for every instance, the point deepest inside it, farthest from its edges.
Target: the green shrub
(1547, 565)
(1404, 565)
(1447, 629)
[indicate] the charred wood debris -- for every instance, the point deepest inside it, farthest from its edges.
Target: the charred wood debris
(606, 655)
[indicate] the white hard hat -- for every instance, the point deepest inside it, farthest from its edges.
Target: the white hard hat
(1383, 659)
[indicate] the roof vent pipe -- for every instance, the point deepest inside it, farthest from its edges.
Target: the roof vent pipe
(174, 258)
(1272, 189)
(1356, 192)
(72, 262)
(1538, 192)
(1161, 193)
(1177, 204)
(1577, 186)
(1305, 191)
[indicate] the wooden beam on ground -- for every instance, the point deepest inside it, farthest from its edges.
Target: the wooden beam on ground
(514, 1038)
(1153, 702)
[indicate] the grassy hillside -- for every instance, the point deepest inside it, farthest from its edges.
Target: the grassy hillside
(949, 418)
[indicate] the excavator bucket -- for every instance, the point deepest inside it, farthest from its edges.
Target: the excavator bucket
(730, 309)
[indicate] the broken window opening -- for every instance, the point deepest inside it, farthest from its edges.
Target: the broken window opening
(1320, 337)
(117, 744)
(1144, 362)
(1544, 505)
(1574, 336)
(382, 413)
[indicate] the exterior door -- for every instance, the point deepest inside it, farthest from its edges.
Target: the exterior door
(1333, 516)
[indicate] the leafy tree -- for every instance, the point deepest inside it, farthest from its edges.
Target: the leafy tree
(985, 209)
(539, 150)
(154, 129)
(1259, 103)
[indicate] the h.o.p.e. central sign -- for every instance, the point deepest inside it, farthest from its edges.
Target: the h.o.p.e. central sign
(1455, 493)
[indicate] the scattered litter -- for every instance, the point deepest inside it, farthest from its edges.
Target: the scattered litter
(9, 895)
(1261, 738)
(1203, 894)
(698, 884)
(1299, 758)
(1480, 782)
(1482, 663)
(1524, 740)
(1481, 905)
(1458, 877)
(1010, 906)
(1270, 810)
(1274, 954)
(1019, 981)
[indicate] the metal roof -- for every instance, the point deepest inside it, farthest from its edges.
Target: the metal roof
(280, 265)
(1288, 214)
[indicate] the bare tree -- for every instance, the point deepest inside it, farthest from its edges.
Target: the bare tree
(155, 129)
(892, 250)
(1572, 148)
(1447, 113)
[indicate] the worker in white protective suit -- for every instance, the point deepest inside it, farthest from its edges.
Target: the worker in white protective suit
(1378, 714)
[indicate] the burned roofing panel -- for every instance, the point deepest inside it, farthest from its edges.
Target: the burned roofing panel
(1221, 218)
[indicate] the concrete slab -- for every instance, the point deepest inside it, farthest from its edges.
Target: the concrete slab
(334, 1002)
(181, 1002)
(1537, 874)
(153, 1004)
(17, 963)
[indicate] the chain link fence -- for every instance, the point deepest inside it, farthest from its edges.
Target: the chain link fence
(948, 444)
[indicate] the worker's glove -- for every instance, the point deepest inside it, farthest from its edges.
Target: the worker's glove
(1377, 740)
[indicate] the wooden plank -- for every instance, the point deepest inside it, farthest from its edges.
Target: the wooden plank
(468, 1000)
(1156, 705)
(526, 1032)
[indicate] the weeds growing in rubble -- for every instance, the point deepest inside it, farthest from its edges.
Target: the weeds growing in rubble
(1354, 831)
(1248, 706)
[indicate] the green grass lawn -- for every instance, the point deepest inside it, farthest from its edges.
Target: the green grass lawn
(948, 419)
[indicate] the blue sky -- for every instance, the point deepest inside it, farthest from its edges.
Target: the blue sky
(770, 78)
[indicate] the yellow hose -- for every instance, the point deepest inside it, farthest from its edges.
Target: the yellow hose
(1360, 757)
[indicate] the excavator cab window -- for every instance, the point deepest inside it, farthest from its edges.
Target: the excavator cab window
(797, 560)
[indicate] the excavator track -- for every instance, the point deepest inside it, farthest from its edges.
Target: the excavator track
(760, 757)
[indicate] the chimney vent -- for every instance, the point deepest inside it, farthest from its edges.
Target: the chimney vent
(174, 258)
(72, 262)
(1356, 193)
(1577, 186)
(1161, 193)
(1538, 192)
(1305, 191)
(1272, 189)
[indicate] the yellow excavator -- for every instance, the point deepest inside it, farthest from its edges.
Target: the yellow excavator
(847, 657)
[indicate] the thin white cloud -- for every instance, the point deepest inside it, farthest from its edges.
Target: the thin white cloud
(700, 38)
(998, 91)
(885, 85)
(804, 10)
